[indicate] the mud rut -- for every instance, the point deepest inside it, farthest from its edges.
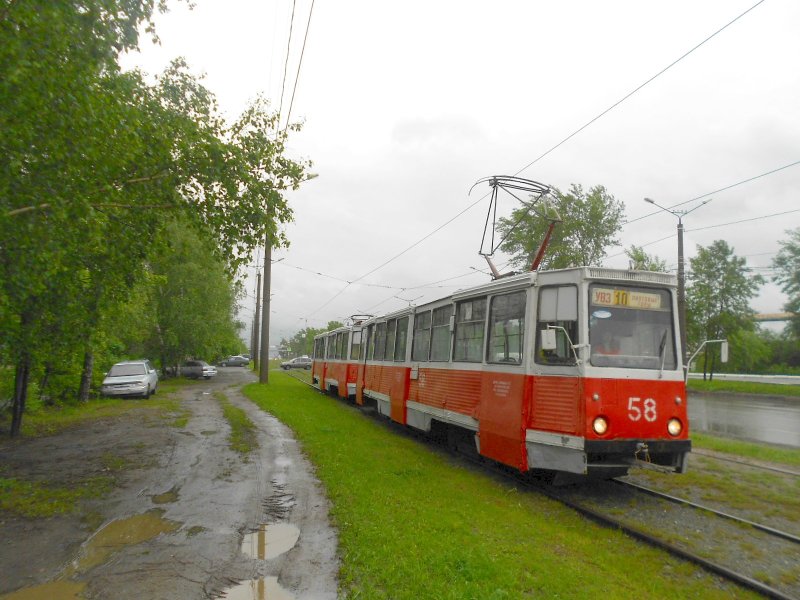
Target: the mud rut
(188, 519)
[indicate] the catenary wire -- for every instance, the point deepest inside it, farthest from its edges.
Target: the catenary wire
(286, 64)
(570, 136)
(722, 189)
(300, 64)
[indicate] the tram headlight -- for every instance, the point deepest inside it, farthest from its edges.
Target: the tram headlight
(674, 426)
(600, 425)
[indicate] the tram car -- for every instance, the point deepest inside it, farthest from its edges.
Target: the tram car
(566, 371)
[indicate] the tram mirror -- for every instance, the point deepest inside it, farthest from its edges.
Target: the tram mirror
(549, 339)
(723, 351)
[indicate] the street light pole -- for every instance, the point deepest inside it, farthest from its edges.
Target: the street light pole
(681, 270)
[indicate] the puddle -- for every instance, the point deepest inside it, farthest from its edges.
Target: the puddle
(259, 589)
(166, 497)
(269, 541)
(63, 590)
(117, 535)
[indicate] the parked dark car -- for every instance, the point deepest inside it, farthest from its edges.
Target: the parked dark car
(234, 361)
(301, 362)
(195, 369)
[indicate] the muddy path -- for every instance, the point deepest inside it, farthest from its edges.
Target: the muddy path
(187, 518)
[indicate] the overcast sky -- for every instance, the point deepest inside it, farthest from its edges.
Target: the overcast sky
(407, 104)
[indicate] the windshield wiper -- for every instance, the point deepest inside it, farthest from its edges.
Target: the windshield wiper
(662, 346)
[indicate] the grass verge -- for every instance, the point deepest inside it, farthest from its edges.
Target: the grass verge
(415, 524)
(36, 500)
(243, 438)
(786, 456)
(50, 420)
(744, 387)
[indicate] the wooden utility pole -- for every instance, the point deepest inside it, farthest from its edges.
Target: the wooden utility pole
(263, 369)
(255, 349)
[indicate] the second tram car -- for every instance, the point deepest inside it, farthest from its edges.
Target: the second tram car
(574, 370)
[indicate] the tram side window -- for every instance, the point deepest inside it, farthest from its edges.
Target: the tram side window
(370, 341)
(330, 345)
(440, 333)
(470, 323)
(380, 341)
(391, 328)
(355, 345)
(558, 309)
(421, 346)
(506, 328)
(337, 344)
(401, 339)
(319, 346)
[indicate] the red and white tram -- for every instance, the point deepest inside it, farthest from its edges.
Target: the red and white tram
(574, 370)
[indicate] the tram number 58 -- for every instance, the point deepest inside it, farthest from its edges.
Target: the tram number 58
(638, 408)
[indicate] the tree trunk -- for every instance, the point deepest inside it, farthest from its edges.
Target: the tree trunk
(21, 376)
(86, 376)
(713, 360)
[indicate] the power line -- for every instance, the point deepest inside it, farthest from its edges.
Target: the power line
(722, 189)
(573, 134)
(629, 94)
(786, 212)
(300, 64)
(286, 63)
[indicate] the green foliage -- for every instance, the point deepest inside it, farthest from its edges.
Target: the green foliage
(718, 295)
(302, 343)
(95, 166)
(787, 274)
(642, 261)
(194, 301)
(590, 223)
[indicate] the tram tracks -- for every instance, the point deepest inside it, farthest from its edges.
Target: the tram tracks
(754, 556)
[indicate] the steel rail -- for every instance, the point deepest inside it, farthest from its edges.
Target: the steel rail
(746, 463)
(675, 499)
(708, 565)
(607, 521)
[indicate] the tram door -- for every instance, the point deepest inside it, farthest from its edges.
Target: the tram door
(365, 334)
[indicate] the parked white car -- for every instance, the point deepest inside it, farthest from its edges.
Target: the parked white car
(130, 378)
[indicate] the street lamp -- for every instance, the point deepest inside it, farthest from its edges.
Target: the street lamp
(681, 273)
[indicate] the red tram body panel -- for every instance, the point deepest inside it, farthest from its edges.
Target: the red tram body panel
(575, 370)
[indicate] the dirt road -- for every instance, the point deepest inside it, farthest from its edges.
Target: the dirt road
(187, 518)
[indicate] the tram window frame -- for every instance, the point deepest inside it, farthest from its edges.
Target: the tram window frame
(355, 344)
(401, 340)
(514, 313)
(470, 330)
(562, 313)
(380, 341)
(421, 341)
(441, 334)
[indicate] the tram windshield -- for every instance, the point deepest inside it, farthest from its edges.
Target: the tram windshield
(631, 327)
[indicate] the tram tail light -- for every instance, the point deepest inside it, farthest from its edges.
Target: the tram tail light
(600, 425)
(674, 427)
